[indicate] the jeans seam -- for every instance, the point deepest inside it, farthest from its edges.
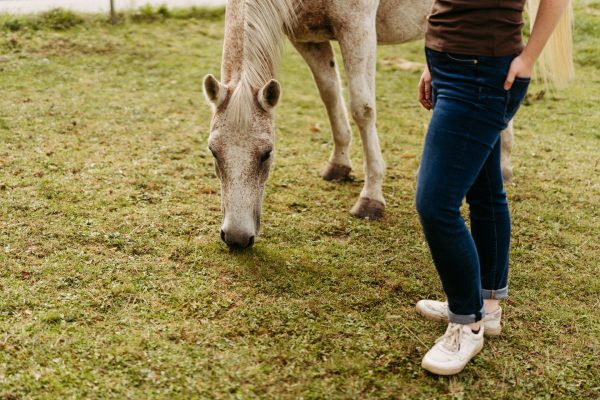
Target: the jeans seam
(491, 197)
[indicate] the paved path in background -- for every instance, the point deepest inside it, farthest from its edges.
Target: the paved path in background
(32, 6)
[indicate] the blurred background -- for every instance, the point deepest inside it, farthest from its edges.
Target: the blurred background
(31, 6)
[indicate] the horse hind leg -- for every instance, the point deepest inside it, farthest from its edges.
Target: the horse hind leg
(507, 139)
(321, 60)
(359, 49)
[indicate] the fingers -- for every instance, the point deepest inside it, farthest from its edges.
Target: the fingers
(510, 78)
(425, 93)
(423, 97)
(520, 67)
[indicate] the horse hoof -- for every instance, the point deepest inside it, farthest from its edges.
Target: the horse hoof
(336, 172)
(368, 209)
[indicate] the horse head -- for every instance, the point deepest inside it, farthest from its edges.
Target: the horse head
(242, 142)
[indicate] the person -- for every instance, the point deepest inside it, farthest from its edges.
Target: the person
(477, 75)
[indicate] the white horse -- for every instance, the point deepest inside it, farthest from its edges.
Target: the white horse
(242, 128)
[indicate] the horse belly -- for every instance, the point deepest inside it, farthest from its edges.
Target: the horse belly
(400, 21)
(314, 23)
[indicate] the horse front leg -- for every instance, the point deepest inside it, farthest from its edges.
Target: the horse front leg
(507, 139)
(321, 60)
(359, 49)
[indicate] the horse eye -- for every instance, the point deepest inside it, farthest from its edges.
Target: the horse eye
(265, 156)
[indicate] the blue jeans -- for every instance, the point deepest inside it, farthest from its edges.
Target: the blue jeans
(461, 159)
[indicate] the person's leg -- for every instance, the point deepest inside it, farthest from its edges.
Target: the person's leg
(494, 108)
(470, 111)
(490, 228)
(455, 151)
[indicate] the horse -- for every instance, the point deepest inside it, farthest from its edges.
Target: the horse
(242, 128)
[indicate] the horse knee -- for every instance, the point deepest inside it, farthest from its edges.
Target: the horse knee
(507, 171)
(362, 112)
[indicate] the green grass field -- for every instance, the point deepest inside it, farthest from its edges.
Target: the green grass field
(114, 282)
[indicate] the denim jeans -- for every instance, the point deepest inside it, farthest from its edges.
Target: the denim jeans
(461, 159)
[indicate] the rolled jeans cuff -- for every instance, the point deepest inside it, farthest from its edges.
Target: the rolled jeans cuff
(465, 319)
(497, 294)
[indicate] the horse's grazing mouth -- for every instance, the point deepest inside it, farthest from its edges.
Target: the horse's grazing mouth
(237, 243)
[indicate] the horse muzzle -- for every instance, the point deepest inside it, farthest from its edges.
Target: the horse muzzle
(237, 240)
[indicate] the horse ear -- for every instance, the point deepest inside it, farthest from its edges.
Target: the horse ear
(214, 91)
(269, 95)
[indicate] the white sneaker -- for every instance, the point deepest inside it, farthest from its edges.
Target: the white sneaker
(438, 311)
(451, 352)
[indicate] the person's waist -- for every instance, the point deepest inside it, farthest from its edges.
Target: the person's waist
(476, 20)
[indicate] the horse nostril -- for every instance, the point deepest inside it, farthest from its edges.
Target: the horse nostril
(222, 235)
(251, 242)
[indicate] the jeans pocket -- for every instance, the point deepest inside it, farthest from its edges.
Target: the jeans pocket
(516, 95)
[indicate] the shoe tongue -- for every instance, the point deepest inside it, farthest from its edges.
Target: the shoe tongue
(452, 327)
(452, 337)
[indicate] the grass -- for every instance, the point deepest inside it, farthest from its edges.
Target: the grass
(114, 282)
(60, 19)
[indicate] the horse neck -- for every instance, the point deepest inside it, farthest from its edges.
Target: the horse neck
(252, 56)
(233, 44)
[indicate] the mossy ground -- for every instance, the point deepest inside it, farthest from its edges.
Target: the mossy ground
(114, 281)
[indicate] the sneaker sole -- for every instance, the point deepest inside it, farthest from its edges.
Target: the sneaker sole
(431, 316)
(488, 331)
(434, 369)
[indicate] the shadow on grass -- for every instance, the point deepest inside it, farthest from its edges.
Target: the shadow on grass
(276, 272)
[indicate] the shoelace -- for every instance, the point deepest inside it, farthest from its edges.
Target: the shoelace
(451, 339)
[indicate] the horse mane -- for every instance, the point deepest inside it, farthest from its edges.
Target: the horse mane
(265, 24)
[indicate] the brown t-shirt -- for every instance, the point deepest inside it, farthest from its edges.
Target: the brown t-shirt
(476, 27)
